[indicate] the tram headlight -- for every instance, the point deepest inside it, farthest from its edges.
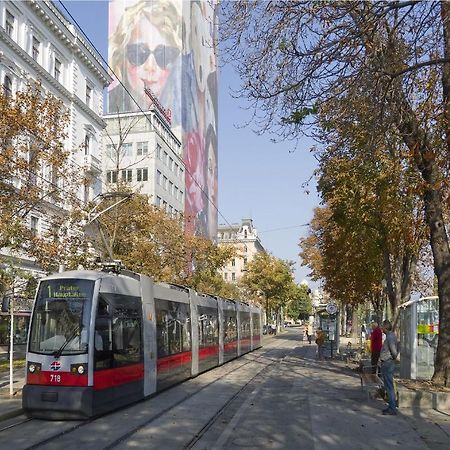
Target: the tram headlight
(34, 367)
(79, 369)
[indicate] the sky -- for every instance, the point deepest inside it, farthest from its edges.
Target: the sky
(257, 178)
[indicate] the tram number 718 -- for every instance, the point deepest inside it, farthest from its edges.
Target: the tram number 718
(55, 378)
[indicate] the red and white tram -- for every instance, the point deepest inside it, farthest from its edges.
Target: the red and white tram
(100, 340)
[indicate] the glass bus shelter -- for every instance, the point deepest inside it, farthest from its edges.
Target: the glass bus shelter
(419, 332)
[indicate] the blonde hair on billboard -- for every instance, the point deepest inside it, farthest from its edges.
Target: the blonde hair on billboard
(164, 15)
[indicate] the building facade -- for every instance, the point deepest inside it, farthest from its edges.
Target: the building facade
(245, 238)
(39, 44)
(169, 47)
(142, 151)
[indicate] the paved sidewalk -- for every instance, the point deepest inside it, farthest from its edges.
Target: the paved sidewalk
(318, 404)
(11, 406)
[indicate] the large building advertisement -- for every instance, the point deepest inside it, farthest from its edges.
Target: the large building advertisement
(168, 46)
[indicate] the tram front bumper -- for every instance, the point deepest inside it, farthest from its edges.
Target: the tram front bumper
(57, 402)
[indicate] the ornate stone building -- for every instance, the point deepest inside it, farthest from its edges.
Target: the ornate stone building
(245, 237)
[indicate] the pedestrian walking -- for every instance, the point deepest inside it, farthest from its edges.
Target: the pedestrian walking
(308, 332)
(320, 341)
(376, 342)
(388, 355)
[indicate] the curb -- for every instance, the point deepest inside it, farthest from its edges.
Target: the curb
(423, 399)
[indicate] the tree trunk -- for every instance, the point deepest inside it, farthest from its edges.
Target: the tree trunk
(418, 142)
(439, 237)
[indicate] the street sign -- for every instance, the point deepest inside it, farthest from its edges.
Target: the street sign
(331, 308)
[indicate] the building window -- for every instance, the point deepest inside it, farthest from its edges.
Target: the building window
(87, 144)
(233, 276)
(127, 149)
(34, 225)
(245, 234)
(110, 150)
(158, 177)
(142, 175)
(225, 276)
(57, 70)
(35, 48)
(171, 188)
(88, 95)
(142, 148)
(245, 261)
(165, 158)
(111, 176)
(165, 182)
(9, 24)
(158, 201)
(7, 86)
(176, 169)
(158, 151)
(170, 164)
(233, 262)
(127, 175)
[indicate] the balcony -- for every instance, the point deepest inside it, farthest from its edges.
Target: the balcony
(92, 165)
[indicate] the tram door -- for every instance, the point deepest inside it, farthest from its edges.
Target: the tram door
(150, 350)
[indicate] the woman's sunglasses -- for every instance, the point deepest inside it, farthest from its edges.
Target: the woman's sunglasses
(137, 54)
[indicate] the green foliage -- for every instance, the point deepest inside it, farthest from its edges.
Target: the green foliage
(299, 304)
(269, 280)
(297, 117)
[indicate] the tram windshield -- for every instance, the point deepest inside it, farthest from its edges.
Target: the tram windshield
(60, 322)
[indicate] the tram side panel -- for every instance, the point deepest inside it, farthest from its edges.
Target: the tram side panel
(118, 358)
(256, 327)
(230, 330)
(244, 328)
(149, 335)
(173, 335)
(207, 331)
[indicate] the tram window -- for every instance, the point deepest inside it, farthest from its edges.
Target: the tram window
(126, 341)
(245, 324)
(230, 327)
(256, 324)
(118, 331)
(172, 327)
(103, 355)
(208, 329)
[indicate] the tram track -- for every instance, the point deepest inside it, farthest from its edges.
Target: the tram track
(16, 424)
(273, 346)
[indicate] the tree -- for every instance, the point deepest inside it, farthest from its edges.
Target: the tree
(149, 241)
(32, 160)
(299, 303)
(399, 52)
(270, 279)
(36, 176)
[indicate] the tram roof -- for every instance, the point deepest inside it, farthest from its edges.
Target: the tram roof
(85, 274)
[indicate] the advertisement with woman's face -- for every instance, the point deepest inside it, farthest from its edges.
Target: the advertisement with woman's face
(169, 47)
(200, 117)
(145, 51)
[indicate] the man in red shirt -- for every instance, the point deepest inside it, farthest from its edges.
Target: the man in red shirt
(376, 342)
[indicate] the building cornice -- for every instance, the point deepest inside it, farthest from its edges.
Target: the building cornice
(66, 94)
(66, 32)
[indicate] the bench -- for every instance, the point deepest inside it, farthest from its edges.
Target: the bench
(370, 382)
